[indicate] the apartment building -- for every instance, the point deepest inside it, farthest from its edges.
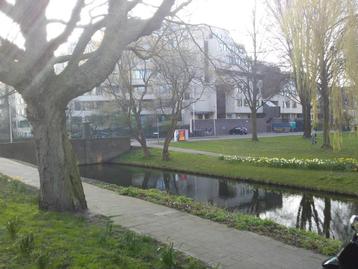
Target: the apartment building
(222, 107)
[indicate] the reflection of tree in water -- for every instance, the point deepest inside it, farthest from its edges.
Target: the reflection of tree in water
(254, 207)
(167, 177)
(146, 179)
(226, 189)
(327, 217)
(307, 216)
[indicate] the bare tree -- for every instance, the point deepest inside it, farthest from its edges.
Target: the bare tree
(31, 71)
(179, 72)
(129, 85)
(256, 81)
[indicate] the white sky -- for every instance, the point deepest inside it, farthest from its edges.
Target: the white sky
(236, 16)
(233, 15)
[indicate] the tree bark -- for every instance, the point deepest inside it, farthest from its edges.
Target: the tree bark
(307, 121)
(141, 136)
(254, 136)
(326, 119)
(144, 146)
(325, 104)
(60, 183)
(168, 139)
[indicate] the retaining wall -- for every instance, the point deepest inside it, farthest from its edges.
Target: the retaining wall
(88, 151)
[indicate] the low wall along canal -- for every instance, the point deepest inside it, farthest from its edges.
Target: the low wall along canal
(88, 151)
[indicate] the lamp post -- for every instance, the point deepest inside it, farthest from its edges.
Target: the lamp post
(11, 138)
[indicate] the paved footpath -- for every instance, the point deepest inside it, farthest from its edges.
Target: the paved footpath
(208, 241)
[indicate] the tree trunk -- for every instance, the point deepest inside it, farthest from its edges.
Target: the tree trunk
(140, 134)
(144, 146)
(325, 104)
(254, 136)
(327, 218)
(307, 121)
(168, 139)
(326, 118)
(60, 183)
(165, 152)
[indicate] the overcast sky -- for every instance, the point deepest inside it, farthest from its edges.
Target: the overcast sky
(236, 16)
(233, 15)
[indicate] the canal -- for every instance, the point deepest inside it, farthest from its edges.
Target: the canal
(325, 214)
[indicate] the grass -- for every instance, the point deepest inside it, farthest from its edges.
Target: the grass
(284, 147)
(292, 236)
(30, 238)
(322, 180)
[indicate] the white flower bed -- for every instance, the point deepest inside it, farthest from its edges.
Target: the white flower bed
(341, 164)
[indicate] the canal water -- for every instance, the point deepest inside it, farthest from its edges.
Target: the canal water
(325, 214)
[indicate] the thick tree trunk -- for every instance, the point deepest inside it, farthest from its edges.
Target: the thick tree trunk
(60, 183)
(254, 136)
(307, 121)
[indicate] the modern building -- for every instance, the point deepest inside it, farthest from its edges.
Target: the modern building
(216, 105)
(218, 109)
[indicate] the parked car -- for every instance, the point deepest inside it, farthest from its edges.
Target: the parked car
(238, 131)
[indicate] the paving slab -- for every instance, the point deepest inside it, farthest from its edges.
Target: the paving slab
(208, 241)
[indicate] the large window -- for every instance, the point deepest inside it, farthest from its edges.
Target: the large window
(140, 73)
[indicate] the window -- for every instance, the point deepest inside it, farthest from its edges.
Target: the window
(99, 91)
(288, 104)
(77, 106)
(139, 73)
(24, 124)
(246, 103)
(294, 105)
(239, 102)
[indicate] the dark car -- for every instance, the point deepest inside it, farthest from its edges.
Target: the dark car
(238, 131)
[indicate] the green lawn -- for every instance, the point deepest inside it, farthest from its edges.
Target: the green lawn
(338, 182)
(285, 146)
(31, 239)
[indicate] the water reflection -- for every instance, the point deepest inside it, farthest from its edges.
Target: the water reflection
(314, 212)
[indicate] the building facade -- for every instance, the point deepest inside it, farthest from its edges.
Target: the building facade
(222, 107)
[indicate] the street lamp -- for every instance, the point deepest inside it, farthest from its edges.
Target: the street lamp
(7, 92)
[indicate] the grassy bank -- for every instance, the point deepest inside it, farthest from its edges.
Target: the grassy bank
(292, 236)
(30, 238)
(321, 180)
(283, 147)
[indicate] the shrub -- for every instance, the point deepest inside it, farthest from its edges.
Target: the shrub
(168, 256)
(27, 244)
(13, 227)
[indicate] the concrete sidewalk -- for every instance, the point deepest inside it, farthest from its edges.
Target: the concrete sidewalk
(208, 241)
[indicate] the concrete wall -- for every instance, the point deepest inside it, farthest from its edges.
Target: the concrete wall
(88, 151)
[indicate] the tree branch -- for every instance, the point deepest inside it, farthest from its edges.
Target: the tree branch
(71, 25)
